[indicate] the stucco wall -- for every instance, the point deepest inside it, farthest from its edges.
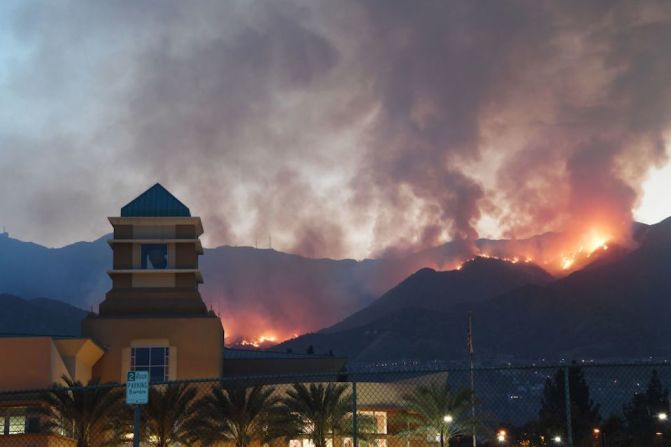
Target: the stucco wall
(199, 342)
(29, 362)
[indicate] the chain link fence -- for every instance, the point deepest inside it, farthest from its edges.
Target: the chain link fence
(582, 405)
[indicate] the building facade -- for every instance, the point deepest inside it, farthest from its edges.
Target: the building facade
(154, 318)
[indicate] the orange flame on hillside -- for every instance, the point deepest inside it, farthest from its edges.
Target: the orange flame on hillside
(562, 257)
(558, 253)
(593, 243)
(265, 340)
(259, 341)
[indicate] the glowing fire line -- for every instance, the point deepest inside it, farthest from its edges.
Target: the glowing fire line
(259, 340)
(596, 242)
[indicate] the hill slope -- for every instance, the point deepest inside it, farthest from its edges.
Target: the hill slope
(38, 317)
(479, 279)
(255, 290)
(617, 307)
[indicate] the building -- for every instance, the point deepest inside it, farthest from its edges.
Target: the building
(153, 318)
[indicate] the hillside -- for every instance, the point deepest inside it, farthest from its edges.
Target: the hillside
(479, 279)
(617, 307)
(39, 316)
(255, 291)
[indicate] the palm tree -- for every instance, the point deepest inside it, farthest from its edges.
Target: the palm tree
(90, 414)
(168, 415)
(317, 411)
(236, 414)
(435, 412)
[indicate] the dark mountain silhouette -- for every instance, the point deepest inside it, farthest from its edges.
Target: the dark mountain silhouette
(617, 307)
(38, 316)
(263, 290)
(75, 273)
(477, 280)
(253, 289)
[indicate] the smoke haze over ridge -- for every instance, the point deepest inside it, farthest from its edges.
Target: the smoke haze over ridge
(342, 129)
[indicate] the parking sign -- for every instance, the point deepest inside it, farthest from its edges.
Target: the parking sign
(137, 388)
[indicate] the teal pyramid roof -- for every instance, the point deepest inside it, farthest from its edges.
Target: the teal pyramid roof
(155, 202)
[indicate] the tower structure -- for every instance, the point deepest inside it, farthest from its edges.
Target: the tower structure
(153, 318)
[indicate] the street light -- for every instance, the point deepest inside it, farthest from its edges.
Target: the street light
(448, 418)
(501, 436)
(557, 439)
(662, 416)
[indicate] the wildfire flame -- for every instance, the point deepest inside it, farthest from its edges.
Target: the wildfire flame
(595, 242)
(260, 340)
(567, 259)
(512, 260)
(557, 253)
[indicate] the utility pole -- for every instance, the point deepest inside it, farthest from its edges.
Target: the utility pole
(471, 355)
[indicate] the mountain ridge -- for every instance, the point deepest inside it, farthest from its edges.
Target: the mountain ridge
(615, 308)
(256, 291)
(241, 283)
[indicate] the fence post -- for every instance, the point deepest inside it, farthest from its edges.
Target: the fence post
(355, 434)
(136, 426)
(567, 404)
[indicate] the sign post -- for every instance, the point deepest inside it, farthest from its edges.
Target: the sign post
(137, 394)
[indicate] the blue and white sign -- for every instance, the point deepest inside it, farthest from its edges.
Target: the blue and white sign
(137, 387)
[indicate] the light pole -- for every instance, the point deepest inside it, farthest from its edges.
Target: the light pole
(600, 435)
(662, 417)
(445, 433)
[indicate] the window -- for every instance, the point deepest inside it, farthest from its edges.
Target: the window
(154, 256)
(17, 424)
(154, 360)
(19, 420)
(12, 420)
(33, 424)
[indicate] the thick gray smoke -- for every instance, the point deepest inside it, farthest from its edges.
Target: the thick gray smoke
(348, 128)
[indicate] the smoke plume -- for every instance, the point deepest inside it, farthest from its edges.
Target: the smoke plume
(348, 129)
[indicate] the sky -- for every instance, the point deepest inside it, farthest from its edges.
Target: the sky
(337, 128)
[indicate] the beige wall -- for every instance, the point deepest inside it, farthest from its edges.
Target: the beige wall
(79, 355)
(36, 440)
(153, 279)
(29, 362)
(153, 232)
(199, 343)
(123, 256)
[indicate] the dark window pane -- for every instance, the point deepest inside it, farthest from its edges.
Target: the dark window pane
(33, 424)
(154, 256)
(142, 368)
(157, 374)
(152, 360)
(142, 356)
(157, 356)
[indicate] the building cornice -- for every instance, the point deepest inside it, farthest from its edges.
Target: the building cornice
(116, 220)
